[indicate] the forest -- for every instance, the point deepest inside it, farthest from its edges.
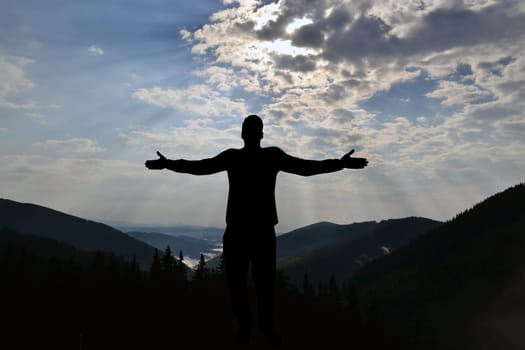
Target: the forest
(74, 303)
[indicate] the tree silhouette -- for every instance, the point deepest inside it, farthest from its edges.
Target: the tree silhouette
(200, 271)
(308, 290)
(155, 269)
(168, 262)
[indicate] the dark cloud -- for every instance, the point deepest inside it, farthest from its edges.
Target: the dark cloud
(310, 35)
(356, 83)
(299, 63)
(313, 9)
(287, 77)
(357, 36)
(274, 30)
(448, 28)
(515, 127)
(367, 36)
(464, 69)
(245, 26)
(338, 19)
(334, 93)
(496, 67)
(343, 115)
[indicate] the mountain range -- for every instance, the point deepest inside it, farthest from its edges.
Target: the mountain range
(325, 248)
(13, 243)
(308, 238)
(350, 247)
(80, 233)
(415, 281)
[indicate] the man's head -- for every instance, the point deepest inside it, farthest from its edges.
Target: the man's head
(252, 129)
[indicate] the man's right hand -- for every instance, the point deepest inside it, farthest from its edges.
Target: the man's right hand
(156, 164)
(353, 163)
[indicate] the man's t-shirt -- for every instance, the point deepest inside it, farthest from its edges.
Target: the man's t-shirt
(252, 175)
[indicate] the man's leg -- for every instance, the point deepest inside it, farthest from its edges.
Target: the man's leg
(263, 270)
(236, 261)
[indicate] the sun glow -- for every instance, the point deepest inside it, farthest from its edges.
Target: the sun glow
(284, 47)
(265, 14)
(297, 23)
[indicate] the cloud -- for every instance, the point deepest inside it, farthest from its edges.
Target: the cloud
(38, 117)
(197, 99)
(299, 63)
(308, 36)
(73, 145)
(370, 40)
(311, 66)
(453, 93)
(14, 81)
(197, 138)
(95, 51)
(357, 50)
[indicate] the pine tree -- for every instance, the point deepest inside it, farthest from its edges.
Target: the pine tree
(133, 271)
(221, 270)
(333, 292)
(321, 289)
(199, 275)
(134, 267)
(168, 263)
(373, 326)
(155, 269)
(308, 289)
(200, 272)
(180, 269)
(352, 309)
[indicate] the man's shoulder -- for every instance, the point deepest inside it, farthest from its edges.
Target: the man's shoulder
(273, 150)
(230, 152)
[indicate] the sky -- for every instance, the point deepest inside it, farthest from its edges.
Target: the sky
(431, 92)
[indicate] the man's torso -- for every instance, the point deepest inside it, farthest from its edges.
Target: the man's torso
(252, 175)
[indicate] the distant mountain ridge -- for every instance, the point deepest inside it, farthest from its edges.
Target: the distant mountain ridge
(191, 247)
(308, 238)
(82, 234)
(353, 246)
(324, 248)
(199, 232)
(12, 243)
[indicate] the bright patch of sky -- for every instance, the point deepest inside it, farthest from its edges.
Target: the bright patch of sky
(283, 47)
(431, 92)
(297, 23)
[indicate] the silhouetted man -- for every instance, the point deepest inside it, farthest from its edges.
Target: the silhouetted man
(251, 215)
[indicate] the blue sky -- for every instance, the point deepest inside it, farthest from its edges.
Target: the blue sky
(432, 92)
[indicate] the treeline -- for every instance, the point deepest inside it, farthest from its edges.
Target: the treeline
(108, 303)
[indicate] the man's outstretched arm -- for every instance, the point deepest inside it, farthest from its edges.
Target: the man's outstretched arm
(194, 167)
(313, 167)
